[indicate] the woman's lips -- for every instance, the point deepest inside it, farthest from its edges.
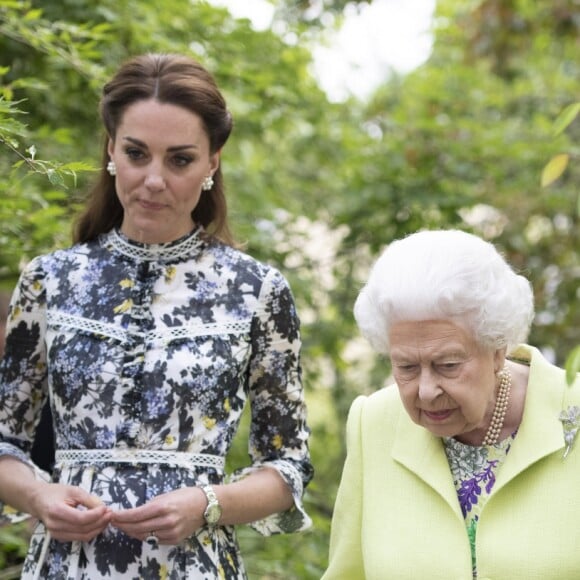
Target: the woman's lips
(438, 415)
(151, 205)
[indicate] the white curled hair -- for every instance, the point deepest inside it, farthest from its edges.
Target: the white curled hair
(445, 275)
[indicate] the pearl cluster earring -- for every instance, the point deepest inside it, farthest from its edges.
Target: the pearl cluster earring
(207, 183)
(112, 168)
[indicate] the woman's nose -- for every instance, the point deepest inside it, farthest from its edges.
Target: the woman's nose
(429, 388)
(154, 181)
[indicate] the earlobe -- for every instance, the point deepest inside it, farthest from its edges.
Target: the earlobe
(214, 162)
(499, 359)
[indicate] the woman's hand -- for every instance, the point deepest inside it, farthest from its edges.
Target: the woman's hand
(171, 517)
(69, 513)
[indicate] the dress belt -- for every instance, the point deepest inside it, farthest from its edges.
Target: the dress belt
(69, 457)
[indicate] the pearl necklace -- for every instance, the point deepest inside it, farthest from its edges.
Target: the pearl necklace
(500, 409)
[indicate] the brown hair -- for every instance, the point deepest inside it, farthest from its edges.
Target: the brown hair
(176, 80)
(4, 310)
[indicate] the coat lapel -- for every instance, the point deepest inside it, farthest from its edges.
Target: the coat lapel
(423, 454)
(540, 433)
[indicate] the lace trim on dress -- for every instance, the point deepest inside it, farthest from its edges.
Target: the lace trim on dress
(64, 320)
(137, 456)
(154, 252)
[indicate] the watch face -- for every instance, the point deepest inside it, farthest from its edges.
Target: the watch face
(212, 513)
(213, 510)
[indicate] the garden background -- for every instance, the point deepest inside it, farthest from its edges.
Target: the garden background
(484, 136)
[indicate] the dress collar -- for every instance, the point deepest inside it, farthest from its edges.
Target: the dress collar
(178, 249)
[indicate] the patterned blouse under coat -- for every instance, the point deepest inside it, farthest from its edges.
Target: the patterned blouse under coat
(154, 347)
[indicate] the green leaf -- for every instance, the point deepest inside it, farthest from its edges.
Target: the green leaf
(554, 168)
(55, 177)
(78, 166)
(33, 15)
(573, 365)
(566, 117)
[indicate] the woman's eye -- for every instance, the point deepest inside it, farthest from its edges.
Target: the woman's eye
(406, 368)
(134, 154)
(182, 160)
(450, 366)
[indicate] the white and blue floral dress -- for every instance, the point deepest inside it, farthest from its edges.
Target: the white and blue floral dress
(150, 352)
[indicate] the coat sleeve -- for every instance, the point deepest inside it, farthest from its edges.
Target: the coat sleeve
(345, 558)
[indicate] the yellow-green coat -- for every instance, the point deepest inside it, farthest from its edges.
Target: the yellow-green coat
(397, 515)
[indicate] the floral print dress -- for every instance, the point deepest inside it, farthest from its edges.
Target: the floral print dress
(474, 470)
(150, 352)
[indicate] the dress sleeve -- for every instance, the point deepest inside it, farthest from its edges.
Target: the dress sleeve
(23, 373)
(345, 557)
(278, 432)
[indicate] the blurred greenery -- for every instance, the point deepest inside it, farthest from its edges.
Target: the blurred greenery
(318, 188)
(14, 543)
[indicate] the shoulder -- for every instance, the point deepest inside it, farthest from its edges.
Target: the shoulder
(236, 258)
(48, 270)
(375, 412)
(47, 262)
(243, 267)
(542, 371)
(386, 399)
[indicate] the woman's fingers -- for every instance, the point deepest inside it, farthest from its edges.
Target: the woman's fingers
(171, 517)
(69, 513)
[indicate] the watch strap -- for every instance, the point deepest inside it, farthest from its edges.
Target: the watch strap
(213, 510)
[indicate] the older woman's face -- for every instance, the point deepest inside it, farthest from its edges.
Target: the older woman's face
(446, 379)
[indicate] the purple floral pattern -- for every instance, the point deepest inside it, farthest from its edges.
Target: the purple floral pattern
(474, 471)
(158, 348)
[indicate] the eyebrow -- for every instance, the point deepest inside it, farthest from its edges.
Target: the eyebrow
(172, 149)
(400, 356)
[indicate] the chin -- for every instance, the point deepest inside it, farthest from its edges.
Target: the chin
(441, 430)
(151, 233)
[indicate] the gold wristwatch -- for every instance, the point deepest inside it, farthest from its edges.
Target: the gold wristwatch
(213, 510)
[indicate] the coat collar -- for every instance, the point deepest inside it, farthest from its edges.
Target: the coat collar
(422, 453)
(540, 433)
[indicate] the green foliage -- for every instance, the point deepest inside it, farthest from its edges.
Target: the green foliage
(36, 205)
(551, 172)
(566, 117)
(461, 142)
(313, 15)
(573, 365)
(14, 544)
(554, 168)
(316, 188)
(558, 164)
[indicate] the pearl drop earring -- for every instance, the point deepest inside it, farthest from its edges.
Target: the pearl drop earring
(112, 168)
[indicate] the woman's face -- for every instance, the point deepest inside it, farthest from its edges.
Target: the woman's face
(446, 379)
(162, 156)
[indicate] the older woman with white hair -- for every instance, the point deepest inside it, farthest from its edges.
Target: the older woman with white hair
(467, 467)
